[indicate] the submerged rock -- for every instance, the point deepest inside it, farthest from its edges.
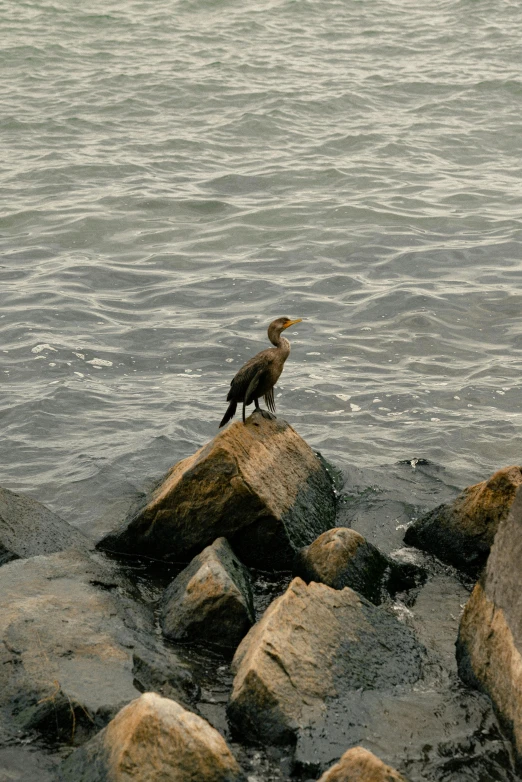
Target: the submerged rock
(341, 557)
(211, 600)
(313, 645)
(258, 484)
(462, 532)
(360, 765)
(73, 648)
(154, 739)
(489, 646)
(28, 528)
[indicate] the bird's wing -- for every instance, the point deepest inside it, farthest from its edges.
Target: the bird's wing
(253, 370)
(270, 401)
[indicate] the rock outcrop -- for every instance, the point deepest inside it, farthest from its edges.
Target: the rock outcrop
(28, 528)
(461, 533)
(341, 557)
(360, 765)
(489, 647)
(313, 645)
(73, 648)
(210, 600)
(259, 485)
(154, 739)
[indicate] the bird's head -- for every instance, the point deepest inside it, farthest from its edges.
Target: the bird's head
(279, 325)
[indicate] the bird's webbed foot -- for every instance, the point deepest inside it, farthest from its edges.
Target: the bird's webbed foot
(266, 414)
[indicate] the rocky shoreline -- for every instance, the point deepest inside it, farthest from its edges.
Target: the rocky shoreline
(233, 628)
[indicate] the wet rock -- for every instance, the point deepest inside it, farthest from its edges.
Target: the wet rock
(259, 485)
(313, 646)
(150, 740)
(28, 528)
(360, 765)
(461, 533)
(73, 647)
(341, 557)
(211, 600)
(489, 646)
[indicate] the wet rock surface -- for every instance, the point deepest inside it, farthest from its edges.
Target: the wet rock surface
(313, 645)
(341, 557)
(73, 647)
(150, 740)
(359, 765)
(489, 648)
(259, 485)
(461, 533)
(28, 528)
(210, 600)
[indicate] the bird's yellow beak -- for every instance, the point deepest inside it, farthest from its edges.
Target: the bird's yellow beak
(291, 322)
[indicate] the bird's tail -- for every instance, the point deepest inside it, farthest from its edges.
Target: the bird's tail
(231, 411)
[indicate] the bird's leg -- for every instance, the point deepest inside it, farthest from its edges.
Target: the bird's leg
(244, 405)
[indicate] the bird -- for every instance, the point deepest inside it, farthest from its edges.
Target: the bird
(258, 376)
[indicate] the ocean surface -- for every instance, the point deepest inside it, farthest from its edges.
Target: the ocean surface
(175, 175)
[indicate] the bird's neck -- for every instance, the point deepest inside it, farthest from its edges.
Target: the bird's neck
(282, 344)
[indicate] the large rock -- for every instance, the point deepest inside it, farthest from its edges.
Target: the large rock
(74, 648)
(259, 485)
(462, 532)
(210, 600)
(315, 644)
(341, 557)
(360, 765)
(28, 528)
(154, 739)
(489, 647)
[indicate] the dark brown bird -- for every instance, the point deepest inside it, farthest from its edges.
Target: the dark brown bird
(258, 376)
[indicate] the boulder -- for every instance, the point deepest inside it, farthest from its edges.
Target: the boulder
(257, 484)
(210, 600)
(360, 765)
(461, 533)
(341, 557)
(489, 646)
(74, 648)
(315, 645)
(153, 739)
(28, 528)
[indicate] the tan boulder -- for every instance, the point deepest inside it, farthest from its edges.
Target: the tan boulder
(462, 532)
(315, 644)
(360, 765)
(210, 600)
(153, 739)
(489, 646)
(341, 557)
(257, 484)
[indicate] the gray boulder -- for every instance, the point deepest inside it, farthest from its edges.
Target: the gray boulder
(74, 648)
(28, 528)
(461, 533)
(314, 646)
(341, 557)
(210, 600)
(257, 484)
(153, 739)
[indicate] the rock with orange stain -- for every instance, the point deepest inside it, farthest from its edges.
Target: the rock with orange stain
(463, 532)
(154, 739)
(258, 484)
(489, 646)
(360, 765)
